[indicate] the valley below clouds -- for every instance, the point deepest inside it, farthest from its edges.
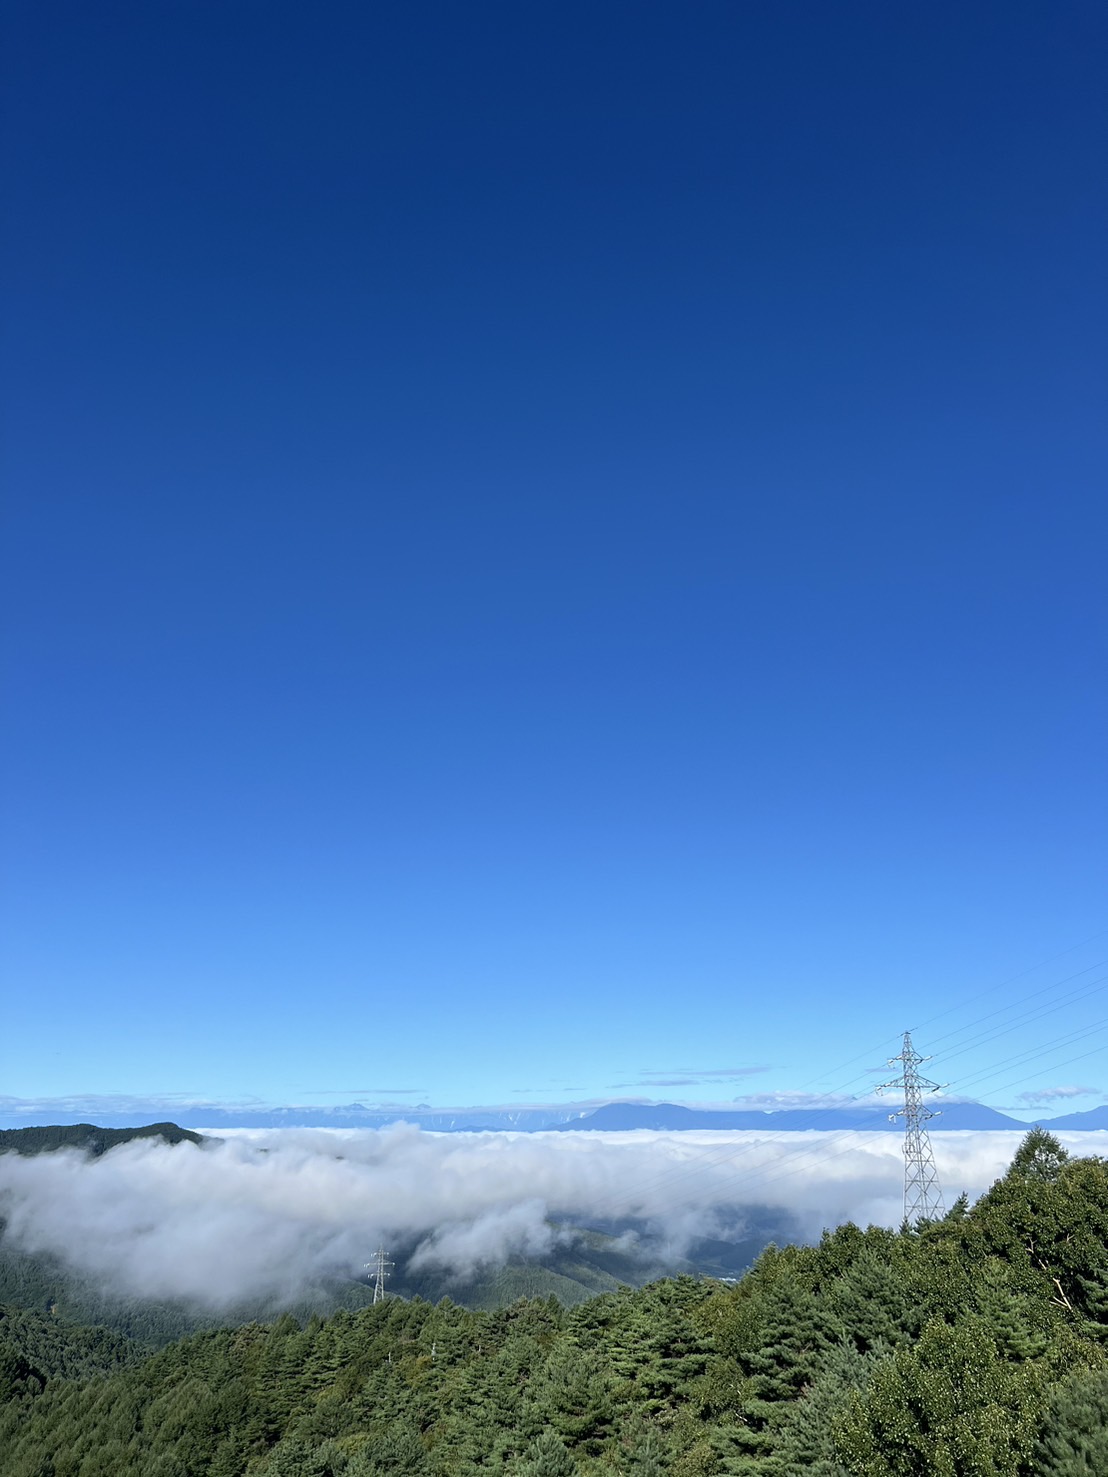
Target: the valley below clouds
(262, 1215)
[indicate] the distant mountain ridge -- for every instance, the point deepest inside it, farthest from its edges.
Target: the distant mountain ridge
(609, 1117)
(1088, 1121)
(672, 1117)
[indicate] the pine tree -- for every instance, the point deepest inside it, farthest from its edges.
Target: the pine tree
(807, 1445)
(400, 1453)
(547, 1457)
(1094, 1298)
(1074, 1440)
(1039, 1157)
(873, 1302)
(647, 1454)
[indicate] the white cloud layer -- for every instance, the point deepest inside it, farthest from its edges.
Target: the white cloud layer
(264, 1214)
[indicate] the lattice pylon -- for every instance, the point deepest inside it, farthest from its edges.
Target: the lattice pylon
(923, 1197)
(380, 1267)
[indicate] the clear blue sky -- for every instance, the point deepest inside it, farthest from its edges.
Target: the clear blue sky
(547, 544)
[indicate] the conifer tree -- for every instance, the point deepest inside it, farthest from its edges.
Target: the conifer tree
(807, 1444)
(547, 1457)
(1074, 1440)
(1094, 1299)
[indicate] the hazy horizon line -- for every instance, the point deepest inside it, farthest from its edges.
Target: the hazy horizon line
(156, 1107)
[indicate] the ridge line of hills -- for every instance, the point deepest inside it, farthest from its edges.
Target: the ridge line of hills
(610, 1117)
(91, 1137)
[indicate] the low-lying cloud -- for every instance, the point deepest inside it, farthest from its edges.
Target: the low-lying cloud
(262, 1215)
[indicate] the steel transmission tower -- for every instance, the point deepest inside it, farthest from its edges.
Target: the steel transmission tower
(923, 1199)
(380, 1267)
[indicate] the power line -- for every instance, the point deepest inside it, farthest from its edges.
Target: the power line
(1078, 993)
(1053, 1068)
(1019, 975)
(997, 1068)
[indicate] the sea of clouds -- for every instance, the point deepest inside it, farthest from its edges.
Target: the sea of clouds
(264, 1214)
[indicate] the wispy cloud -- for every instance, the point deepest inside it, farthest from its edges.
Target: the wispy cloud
(657, 1082)
(775, 1101)
(119, 1103)
(686, 1076)
(343, 1092)
(712, 1074)
(1056, 1094)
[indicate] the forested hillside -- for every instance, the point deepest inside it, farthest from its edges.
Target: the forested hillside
(970, 1347)
(89, 1137)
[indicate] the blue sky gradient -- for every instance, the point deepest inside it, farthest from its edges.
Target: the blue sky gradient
(549, 548)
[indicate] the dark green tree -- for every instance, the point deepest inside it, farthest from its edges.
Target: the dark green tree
(1074, 1438)
(547, 1457)
(807, 1444)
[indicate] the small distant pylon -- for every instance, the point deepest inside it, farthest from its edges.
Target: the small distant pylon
(923, 1198)
(380, 1266)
